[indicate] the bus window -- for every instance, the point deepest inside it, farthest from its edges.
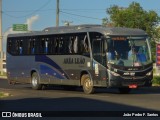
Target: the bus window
(65, 43)
(13, 49)
(97, 50)
(25, 46)
(70, 45)
(46, 45)
(21, 47)
(75, 45)
(85, 43)
(9, 46)
(42, 46)
(32, 46)
(61, 46)
(56, 44)
(18, 46)
(51, 45)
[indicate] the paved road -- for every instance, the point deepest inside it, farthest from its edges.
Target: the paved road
(23, 98)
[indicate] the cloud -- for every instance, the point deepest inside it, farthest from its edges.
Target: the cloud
(30, 21)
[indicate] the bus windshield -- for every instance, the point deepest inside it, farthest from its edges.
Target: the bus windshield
(131, 51)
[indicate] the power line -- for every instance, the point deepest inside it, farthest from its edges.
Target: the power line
(80, 15)
(50, 9)
(44, 5)
(65, 9)
(68, 13)
(73, 17)
(46, 10)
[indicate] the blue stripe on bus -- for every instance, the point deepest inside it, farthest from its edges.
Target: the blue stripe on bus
(45, 69)
(45, 59)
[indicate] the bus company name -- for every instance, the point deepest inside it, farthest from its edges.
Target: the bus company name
(74, 60)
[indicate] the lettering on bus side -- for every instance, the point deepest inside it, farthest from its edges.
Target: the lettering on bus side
(74, 60)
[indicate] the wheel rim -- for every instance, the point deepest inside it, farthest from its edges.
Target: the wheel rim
(87, 84)
(34, 81)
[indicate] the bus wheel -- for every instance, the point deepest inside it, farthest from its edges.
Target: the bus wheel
(124, 90)
(35, 82)
(87, 84)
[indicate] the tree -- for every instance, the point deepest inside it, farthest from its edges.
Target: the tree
(135, 16)
(156, 34)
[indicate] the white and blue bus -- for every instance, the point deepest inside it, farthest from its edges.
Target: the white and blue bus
(84, 55)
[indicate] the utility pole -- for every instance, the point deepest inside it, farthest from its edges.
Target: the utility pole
(57, 14)
(1, 50)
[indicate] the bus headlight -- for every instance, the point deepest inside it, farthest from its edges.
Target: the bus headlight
(149, 73)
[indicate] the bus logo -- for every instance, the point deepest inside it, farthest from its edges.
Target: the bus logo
(74, 61)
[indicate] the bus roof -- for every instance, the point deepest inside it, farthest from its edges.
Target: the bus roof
(110, 31)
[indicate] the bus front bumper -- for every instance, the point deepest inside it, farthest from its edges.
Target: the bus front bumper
(121, 81)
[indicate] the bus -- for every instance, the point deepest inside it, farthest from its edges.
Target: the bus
(88, 56)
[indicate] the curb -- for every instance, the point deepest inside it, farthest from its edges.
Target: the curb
(3, 77)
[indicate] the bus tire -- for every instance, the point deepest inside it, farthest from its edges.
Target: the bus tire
(35, 82)
(87, 84)
(124, 90)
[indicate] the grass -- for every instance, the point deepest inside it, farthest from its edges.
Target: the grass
(3, 74)
(156, 80)
(2, 94)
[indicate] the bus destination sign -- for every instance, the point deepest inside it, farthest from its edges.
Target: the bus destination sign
(119, 38)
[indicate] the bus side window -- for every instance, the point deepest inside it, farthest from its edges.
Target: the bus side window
(13, 49)
(46, 45)
(42, 46)
(75, 45)
(66, 45)
(32, 46)
(85, 46)
(70, 45)
(16, 47)
(9, 47)
(61, 46)
(21, 47)
(56, 45)
(51, 45)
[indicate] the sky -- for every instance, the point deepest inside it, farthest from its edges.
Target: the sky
(40, 14)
